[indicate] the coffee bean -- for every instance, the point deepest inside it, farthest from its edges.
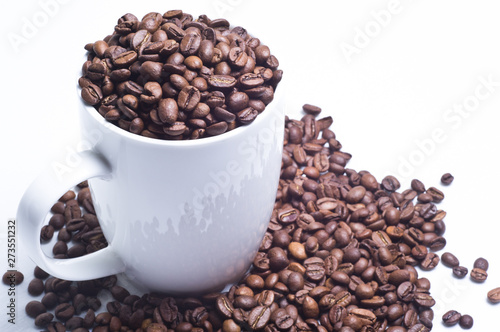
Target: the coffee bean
(460, 271)
(64, 311)
(311, 109)
(390, 183)
(437, 195)
(43, 319)
(419, 328)
(119, 293)
(430, 261)
(447, 178)
(450, 260)
(39, 273)
(224, 306)
(250, 80)
(49, 300)
(11, 278)
(217, 128)
(258, 317)
(35, 308)
(466, 322)
(278, 259)
(451, 317)
(155, 327)
(310, 307)
(60, 248)
(188, 99)
(423, 298)
(92, 94)
(478, 275)
(481, 263)
(494, 295)
(36, 287)
(247, 115)
(221, 81)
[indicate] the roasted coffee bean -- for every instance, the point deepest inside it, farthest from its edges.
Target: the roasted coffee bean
(60, 248)
(481, 263)
(494, 295)
(466, 322)
(36, 287)
(447, 178)
(258, 317)
(188, 99)
(224, 306)
(49, 300)
(92, 94)
(43, 319)
(451, 317)
(119, 293)
(282, 318)
(278, 259)
(64, 311)
(423, 298)
(310, 307)
(437, 195)
(10, 278)
(247, 115)
(406, 291)
(221, 81)
(478, 275)
(35, 308)
(311, 109)
(430, 261)
(390, 183)
(39, 273)
(450, 260)
(460, 271)
(418, 328)
(55, 327)
(217, 128)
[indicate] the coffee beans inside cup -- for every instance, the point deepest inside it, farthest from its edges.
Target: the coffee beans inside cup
(173, 76)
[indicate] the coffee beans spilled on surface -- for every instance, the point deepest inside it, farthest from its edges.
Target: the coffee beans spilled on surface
(173, 76)
(453, 317)
(341, 253)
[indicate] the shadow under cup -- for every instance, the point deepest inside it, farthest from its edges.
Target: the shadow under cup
(187, 217)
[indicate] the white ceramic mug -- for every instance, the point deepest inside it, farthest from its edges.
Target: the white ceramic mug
(179, 216)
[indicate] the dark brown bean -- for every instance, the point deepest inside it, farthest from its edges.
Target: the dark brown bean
(447, 179)
(451, 317)
(481, 263)
(460, 271)
(450, 260)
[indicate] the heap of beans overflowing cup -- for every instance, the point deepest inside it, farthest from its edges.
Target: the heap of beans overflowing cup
(311, 245)
(172, 76)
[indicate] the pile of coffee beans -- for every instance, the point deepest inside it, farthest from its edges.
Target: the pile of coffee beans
(341, 253)
(174, 77)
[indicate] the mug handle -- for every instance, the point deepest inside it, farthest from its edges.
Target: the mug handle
(36, 202)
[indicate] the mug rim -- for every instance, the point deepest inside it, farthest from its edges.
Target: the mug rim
(240, 130)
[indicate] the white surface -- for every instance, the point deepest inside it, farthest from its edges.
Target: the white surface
(405, 83)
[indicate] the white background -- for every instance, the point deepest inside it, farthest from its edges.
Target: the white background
(392, 74)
